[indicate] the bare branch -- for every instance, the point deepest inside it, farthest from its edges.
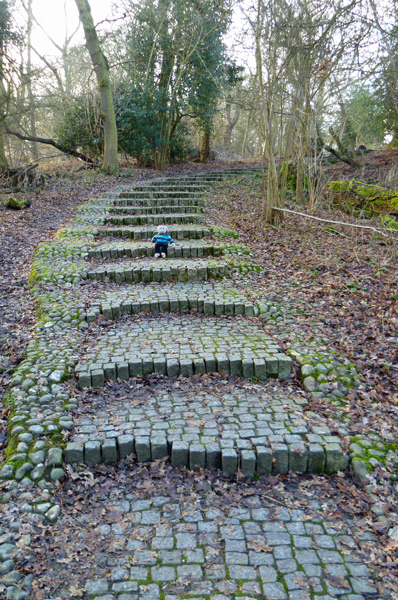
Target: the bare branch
(53, 143)
(294, 212)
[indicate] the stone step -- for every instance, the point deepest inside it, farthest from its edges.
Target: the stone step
(140, 249)
(214, 176)
(174, 187)
(253, 458)
(151, 193)
(142, 233)
(161, 270)
(205, 176)
(210, 299)
(150, 210)
(181, 345)
(163, 219)
(252, 430)
(146, 202)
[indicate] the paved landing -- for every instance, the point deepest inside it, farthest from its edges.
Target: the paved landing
(187, 550)
(258, 431)
(184, 345)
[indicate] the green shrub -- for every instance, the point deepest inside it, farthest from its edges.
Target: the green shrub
(138, 112)
(82, 126)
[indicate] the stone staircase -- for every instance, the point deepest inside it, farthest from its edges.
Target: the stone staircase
(112, 315)
(183, 316)
(186, 264)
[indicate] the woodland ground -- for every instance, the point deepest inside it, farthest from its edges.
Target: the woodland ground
(347, 278)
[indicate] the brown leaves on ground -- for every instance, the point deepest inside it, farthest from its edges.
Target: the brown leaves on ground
(61, 555)
(349, 284)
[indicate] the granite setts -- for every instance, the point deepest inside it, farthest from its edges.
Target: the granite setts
(182, 346)
(252, 553)
(172, 269)
(158, 219)
(250, 432)
(171, 547)
(208, 298)
(147, 327)
(70, 306)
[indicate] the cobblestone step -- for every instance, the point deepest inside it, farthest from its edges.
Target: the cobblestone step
(177, 232)
(254, 432)
(183, 345)
(210, 299)
(149, 210)
(183, 184)
(277, 458)
(173, 187)
(149, 202)
(153, 193)
(207, 176)
(161, 270)
(156, 219)
(143, 249)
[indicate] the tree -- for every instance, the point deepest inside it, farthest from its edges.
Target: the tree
(101, 68)
(382, 66)
(233, 100)
(139, 126)
(298, 46)
(63, 73)
(31, 99)
(361, 118)
(5, 36)
(176, 52)
(81, 125)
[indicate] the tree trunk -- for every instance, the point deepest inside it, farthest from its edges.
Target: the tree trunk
(101, 68)
(205, 147)
(246, 135)
(232, 119)
(31, 100)
(3, 110)
(3, 113)
(271, 216)
(165, 76)
(228, 135)
(3, 156)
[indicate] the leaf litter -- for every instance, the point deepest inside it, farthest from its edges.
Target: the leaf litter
(350, 285)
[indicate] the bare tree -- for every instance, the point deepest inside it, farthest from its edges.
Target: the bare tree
(101, 68)
(298, 46)
(5, 18)
(63, 75)
(31, 99)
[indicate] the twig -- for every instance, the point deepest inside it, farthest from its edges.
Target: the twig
(294, 212)
(274, 500)
(338, 233)
(56, 588)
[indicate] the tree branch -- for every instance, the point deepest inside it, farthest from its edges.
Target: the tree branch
(51, 142)
(340, 155)
(54, 70)
(294, 212)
